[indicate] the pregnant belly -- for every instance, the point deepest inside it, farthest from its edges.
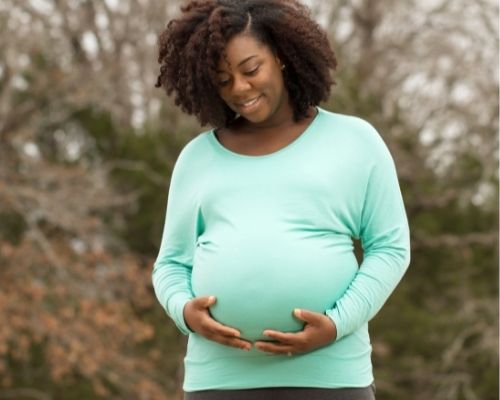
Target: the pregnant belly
(258, 283)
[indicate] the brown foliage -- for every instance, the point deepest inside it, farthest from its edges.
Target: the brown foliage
(88, 322)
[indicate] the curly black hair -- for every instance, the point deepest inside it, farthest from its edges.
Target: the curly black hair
(191, 46)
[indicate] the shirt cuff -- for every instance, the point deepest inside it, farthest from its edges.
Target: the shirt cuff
(175, 309)
(334, 316)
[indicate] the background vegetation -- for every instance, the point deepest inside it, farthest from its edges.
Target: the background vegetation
(87, 145)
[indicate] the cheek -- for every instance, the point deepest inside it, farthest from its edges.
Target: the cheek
(275, 81)
(278, 89)
(223, 95)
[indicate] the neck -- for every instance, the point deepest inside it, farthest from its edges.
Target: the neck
(280, 120)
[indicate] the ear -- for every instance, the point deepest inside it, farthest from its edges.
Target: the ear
(278, 61)
(281, 65)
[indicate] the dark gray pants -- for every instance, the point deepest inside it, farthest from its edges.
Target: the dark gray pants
(285, 393)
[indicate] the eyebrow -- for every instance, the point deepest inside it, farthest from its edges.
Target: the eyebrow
(242, 62)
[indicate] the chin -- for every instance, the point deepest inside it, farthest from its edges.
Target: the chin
(255, 120)
(259, 118)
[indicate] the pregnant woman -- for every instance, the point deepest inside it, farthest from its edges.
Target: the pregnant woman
(256, 262)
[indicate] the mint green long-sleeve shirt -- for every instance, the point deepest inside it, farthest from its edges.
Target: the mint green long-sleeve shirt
(268, 234)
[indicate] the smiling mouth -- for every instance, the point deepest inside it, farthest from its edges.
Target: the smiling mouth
(248, 105)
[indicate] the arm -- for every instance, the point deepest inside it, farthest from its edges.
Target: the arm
(173, 267)
(171, 275)
(385, 239)
(384, 233)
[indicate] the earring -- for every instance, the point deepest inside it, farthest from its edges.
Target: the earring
(282, 67)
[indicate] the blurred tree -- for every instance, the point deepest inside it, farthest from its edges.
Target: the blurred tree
(76, 303)
(87, 145)
(428, 79)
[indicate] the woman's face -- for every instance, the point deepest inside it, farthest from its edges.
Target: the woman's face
(251, 81)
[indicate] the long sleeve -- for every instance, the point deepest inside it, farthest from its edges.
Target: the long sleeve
(171, 274)
(267, 234)
(384, 234)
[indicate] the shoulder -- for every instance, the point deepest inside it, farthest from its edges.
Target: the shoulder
(195, 149)
(358, 132)
(193, 157)
(349, 123)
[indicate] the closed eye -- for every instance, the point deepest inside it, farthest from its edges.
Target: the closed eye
(252, 72)
(248, 73)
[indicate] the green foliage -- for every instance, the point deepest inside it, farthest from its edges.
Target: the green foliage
(12, 227)
(140, 162)
(36, 374)
(448, 296)
(448, 289)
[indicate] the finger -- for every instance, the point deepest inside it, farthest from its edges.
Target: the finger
(275, 348)
(219, 329)
(237, 343)
(308, 316)
(203, 301)
(230, 341)
(209, 301)
(284, 337)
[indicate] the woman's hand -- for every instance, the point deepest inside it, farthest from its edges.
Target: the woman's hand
(319, 331)
(199, 320)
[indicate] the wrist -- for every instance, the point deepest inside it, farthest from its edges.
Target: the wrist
(184, 312)
(332, 328)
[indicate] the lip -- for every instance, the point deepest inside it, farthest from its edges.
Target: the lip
(253, 103)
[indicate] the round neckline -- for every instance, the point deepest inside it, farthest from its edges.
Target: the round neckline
(293, 143)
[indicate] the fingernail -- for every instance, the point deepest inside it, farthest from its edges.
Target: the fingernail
(244, 347)
(297, 312)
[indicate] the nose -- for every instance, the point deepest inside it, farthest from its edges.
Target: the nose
(240, 84)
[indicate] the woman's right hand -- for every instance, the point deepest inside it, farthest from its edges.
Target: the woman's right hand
(199, 320)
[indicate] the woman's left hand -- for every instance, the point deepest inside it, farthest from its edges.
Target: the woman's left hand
(319, 331)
